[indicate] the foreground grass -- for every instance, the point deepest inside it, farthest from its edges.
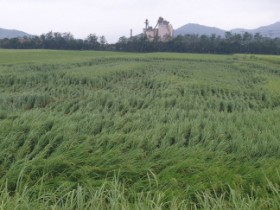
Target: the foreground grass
(112, 195)
(98, 130)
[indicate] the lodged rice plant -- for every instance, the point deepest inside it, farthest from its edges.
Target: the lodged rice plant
(102, 130)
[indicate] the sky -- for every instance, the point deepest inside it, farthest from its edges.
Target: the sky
(115, 18)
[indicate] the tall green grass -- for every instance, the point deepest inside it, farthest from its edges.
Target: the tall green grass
(113, 194)
(84, 130)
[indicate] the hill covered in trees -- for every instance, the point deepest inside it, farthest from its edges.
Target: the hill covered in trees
(270, 31)
(11, 33)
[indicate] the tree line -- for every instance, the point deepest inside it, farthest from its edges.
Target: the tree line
(228, 44)
(56, 40)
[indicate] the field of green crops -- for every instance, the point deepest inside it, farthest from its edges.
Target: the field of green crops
(106, 130)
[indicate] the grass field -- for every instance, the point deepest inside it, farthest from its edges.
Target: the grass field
(104, 130)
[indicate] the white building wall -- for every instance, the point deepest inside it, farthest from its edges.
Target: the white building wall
(165, 32)
(150, 34)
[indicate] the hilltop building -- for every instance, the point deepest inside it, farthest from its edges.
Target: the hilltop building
(163, 31)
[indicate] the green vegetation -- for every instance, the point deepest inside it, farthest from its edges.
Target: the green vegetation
(189, 43)
(100, 130)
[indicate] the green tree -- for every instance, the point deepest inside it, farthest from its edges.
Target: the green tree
(92, 42)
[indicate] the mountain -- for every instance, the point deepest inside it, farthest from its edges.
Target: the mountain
(271, 31)
(7, 33)
(192, 28)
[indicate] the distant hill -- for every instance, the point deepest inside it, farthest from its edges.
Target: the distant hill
(8, 33)
(192, 28)
(271, 31)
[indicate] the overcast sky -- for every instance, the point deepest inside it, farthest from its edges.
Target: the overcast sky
(115, 18)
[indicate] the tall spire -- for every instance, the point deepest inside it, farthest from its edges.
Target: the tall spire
(146, 23)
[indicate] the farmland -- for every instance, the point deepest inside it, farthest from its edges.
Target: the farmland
(106, 130)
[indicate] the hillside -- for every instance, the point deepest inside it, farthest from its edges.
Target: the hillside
(198, 29)
(271, 31)
(8, 33)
